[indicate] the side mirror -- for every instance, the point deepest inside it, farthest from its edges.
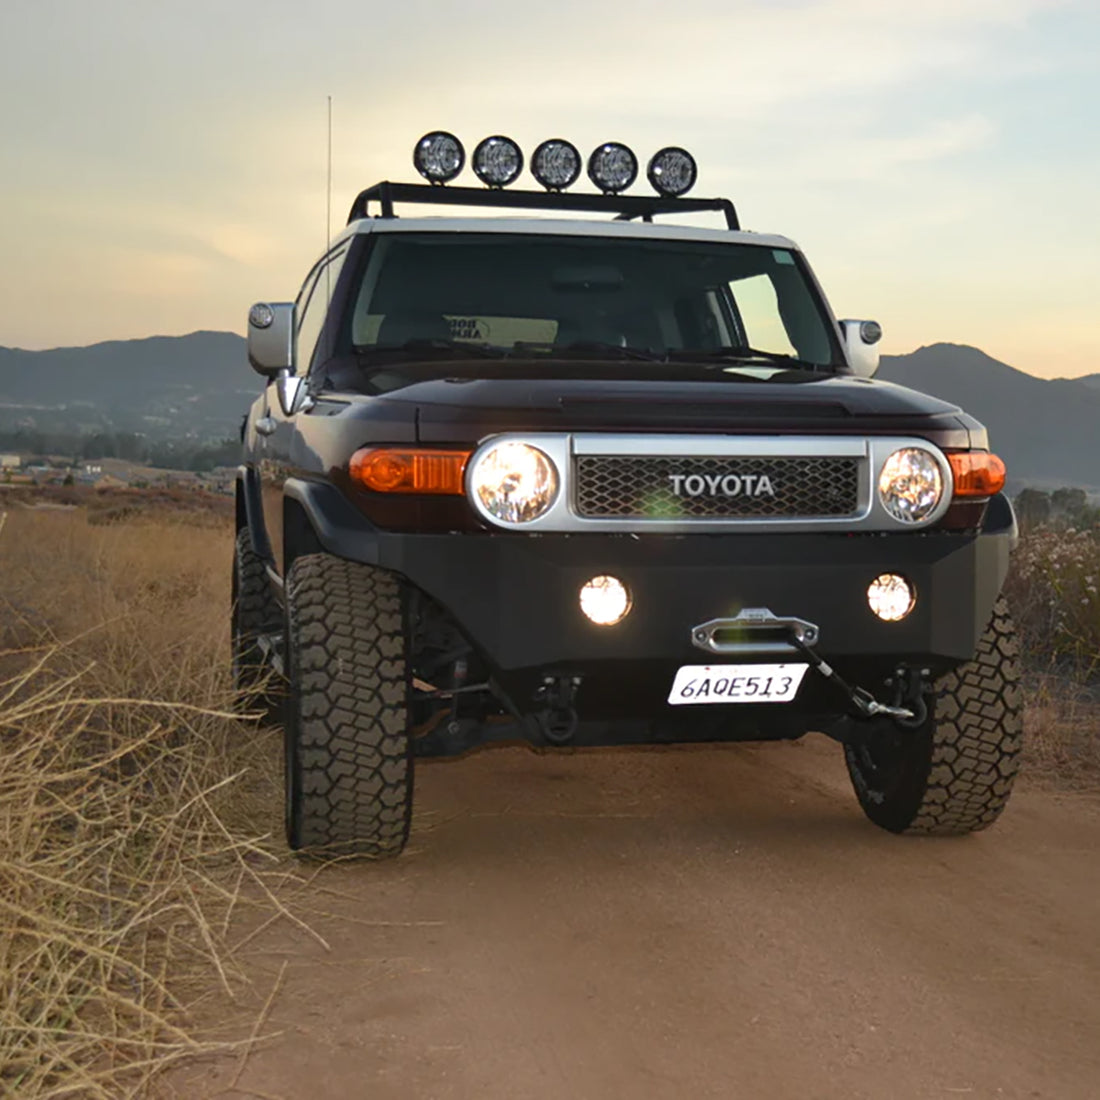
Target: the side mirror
(271, 337)
(860, 340)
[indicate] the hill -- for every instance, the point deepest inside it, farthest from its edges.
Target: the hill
(200, 385)
(174, 386)
(1044, 429)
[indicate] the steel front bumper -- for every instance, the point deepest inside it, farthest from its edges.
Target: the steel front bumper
(516, 596)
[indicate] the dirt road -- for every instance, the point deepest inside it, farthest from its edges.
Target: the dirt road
(711, 922)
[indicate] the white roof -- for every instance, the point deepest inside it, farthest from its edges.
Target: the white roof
(563, 228)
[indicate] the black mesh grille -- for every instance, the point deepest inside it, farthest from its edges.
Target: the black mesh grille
(636, 487)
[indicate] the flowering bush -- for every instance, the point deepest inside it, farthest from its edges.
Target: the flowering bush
(1054, 590)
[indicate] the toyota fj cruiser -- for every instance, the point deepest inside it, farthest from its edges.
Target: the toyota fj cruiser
(603, 482)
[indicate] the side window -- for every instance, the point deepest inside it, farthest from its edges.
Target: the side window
(758, 309)
(313, 303)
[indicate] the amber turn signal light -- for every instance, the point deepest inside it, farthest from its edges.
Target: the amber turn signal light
(409, 470)
(977, 474)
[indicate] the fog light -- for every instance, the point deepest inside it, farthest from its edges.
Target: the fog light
(605, 600)
(891, 597)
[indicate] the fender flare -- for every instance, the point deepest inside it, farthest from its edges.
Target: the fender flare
(250, 512)
(1000, 519)
(338, 526)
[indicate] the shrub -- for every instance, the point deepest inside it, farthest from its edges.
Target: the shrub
(1054, 588)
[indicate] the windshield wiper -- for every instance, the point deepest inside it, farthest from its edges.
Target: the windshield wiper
(433, 346)
(586, 348)
(743, 354)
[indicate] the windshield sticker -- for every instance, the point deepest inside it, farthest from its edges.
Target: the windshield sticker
(782, 256)
(502, 332)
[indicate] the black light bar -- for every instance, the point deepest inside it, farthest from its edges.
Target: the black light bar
(624, 207)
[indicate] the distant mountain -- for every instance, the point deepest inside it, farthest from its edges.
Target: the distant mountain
(1047, 431)
(199, 384)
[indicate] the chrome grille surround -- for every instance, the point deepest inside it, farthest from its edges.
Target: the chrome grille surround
(829, 465)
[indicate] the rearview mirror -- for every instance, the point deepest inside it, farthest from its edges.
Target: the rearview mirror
(271, 337)
(860, 346)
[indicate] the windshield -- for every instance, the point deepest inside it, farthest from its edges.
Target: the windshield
(532, 294)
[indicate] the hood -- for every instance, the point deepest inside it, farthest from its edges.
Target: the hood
(465, 406)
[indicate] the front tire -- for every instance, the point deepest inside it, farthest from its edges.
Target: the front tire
(954, 773)
(349, 766)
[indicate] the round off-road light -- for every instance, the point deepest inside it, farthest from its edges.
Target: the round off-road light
(439, 156)
(891, 597)
(261, 315)
(514, 482)
(605, 600)
(672, 172)
(497, 161)
(612, 167)
(556, 164)
(870, 332)
(910, 485)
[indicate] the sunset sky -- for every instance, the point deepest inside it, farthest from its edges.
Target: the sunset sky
(162, 164)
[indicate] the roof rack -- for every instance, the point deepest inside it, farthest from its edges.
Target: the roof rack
(624, 207)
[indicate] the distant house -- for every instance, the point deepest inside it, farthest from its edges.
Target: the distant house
(10, 462)
(109, 481)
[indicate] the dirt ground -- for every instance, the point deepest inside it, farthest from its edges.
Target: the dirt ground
(692, 922)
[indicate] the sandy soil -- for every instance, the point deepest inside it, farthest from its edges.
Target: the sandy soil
(711, 922)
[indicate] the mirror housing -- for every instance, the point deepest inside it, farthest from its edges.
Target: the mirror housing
(271, 338)
(861, 346)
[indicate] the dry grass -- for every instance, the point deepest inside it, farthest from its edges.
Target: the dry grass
(1054, 591)
(129, 803)
(1062, 728)
(115, 505)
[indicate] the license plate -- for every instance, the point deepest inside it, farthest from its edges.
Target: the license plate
(736, 684)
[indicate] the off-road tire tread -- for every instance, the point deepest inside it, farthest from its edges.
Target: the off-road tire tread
(349, 764)
(976, 736)
(256, 611)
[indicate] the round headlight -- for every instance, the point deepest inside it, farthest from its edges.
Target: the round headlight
(910, 485)
(497, 161)
(891, 597)
(514, 482)
(605, 600)
(556, 164)
(672, 172)
(612, 167)
(439, 156)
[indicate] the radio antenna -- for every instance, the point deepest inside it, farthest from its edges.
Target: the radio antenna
(328, 207)
(328, 183)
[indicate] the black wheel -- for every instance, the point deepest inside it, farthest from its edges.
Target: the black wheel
(256, 612)
(349, 767)
(954, 773)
